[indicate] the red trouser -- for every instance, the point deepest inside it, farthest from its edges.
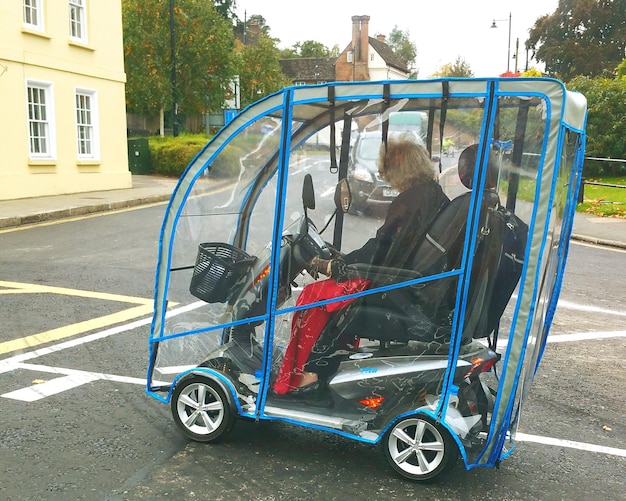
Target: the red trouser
(307, 325)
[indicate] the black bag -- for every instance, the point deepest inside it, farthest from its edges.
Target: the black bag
(501, 251)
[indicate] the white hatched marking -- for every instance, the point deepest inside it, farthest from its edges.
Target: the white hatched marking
(52, 387)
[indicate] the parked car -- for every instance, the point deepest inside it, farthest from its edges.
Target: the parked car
(367, 188)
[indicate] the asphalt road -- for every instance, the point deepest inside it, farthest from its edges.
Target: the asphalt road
(76, 424)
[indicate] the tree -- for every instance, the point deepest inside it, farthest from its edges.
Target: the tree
(606, 123)
(203, 42)
(621, 69)
(259, 70)
(146, 58)
(254, 19)
(459, 68)
(225, 8)
(400, 43)
(581, 37)
(310, 48)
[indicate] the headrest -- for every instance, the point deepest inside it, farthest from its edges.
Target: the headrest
(467, 165)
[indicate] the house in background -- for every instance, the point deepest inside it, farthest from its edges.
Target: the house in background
(63, 127)
(365, 58)
(368, 58)
(309, 70)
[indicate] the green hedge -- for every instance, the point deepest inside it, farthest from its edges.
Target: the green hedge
(171, 155)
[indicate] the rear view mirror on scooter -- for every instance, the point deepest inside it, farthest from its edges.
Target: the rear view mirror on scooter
(343, 197)
(308, 193)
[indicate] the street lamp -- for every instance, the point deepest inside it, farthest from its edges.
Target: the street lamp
(173, 77)
(508, 57)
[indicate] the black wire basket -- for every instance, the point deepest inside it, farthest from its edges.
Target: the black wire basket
(219, 271)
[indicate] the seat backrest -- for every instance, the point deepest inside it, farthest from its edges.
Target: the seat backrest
(426, 310)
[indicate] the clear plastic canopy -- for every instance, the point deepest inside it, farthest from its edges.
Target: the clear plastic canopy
(241, 200)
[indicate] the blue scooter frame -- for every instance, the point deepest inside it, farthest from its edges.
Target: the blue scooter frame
(230, 268)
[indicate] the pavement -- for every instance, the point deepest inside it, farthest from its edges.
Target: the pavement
(150, 189)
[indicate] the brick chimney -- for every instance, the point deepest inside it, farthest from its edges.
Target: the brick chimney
(356, 67)
(254, 28)
(356, 32)
(381, 38)
(365, 39)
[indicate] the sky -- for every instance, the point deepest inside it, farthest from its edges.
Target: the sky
(441, 30)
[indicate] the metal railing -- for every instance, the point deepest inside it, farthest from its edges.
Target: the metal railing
(581, 193)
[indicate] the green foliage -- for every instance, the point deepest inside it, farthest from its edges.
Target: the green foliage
(308, 48)
(581, 37)
(311, 48)
(459, 68)
(146, 58)
(605, 200)
(606, 123)
(225, 8)
(171, 155)
(400, 43)
(621, 69)
(203, 41)
(259, 71)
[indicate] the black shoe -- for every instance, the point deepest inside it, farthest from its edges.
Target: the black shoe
(306, 391)
(315, 393)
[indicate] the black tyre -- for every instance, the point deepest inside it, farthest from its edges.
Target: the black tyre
(201, 409)
(419, 449)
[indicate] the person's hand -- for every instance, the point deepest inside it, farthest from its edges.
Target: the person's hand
(319, 265)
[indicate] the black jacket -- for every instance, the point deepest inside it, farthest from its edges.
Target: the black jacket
(407, 221)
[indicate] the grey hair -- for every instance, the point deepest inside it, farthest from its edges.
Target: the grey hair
(403, 163)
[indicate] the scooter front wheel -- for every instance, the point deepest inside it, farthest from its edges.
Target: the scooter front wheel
(419, 449)
(201, 409)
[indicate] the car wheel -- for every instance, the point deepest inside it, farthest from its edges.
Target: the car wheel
(201, 409)
(419, 449)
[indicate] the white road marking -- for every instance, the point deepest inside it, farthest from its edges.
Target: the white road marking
(584, 336)
(591, 309)
(573, 337)
(51, 387)
(73, 378)
(93, 337)
(523, 437)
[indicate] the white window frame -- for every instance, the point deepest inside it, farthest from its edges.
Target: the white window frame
(40, 120)
(32, 8)
(78, 20)
(87, 131)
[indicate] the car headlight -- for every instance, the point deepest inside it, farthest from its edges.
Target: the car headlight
(362, 174)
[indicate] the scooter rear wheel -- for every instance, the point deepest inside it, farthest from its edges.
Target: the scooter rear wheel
(201, 409)
(419, 449)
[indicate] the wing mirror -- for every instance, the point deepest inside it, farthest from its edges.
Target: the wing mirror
(343, 197)
(308, 193)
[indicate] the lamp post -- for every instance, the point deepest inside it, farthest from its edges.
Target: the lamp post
(173, 76)
(508, 57)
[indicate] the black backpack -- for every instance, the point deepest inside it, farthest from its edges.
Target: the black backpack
(497, 268)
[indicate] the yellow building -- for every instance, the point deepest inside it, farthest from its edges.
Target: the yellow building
(62, 103)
